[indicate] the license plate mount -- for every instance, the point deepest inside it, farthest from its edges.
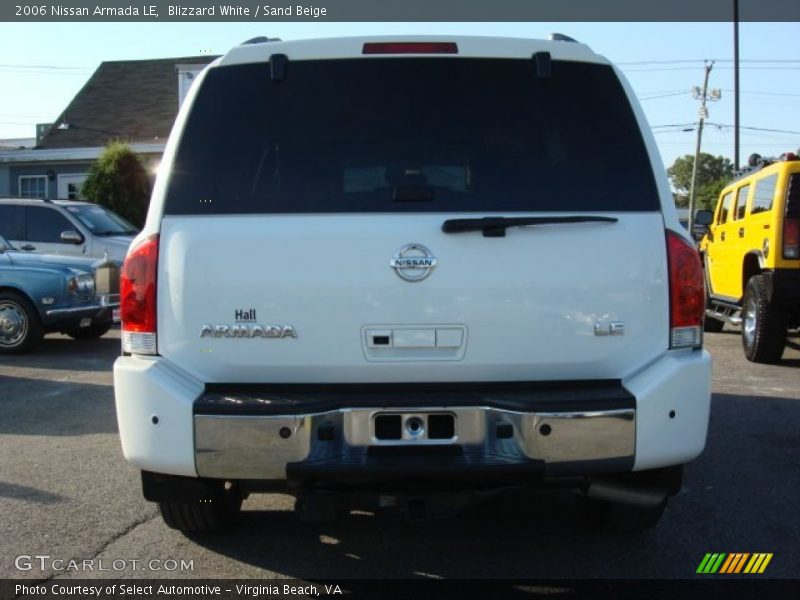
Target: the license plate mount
(414, 427)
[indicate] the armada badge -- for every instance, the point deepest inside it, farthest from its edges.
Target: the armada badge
(413, 262)
(241, 330)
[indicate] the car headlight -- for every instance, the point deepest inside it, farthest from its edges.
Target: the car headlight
(82, 285)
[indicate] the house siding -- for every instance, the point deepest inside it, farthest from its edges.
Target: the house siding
(42, 168)
(5, 181)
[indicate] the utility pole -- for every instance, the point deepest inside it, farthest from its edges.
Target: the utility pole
(703, 96)
(736, 85)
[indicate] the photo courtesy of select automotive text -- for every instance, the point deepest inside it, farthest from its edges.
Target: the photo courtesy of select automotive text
(401, 299)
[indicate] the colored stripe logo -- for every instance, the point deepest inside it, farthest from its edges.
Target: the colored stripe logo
(734, 563)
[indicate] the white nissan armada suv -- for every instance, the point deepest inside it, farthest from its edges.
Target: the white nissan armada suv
(394, 272)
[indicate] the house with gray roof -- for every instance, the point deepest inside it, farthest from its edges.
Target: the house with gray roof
(132, 101)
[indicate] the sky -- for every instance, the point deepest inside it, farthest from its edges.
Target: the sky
(43, 65)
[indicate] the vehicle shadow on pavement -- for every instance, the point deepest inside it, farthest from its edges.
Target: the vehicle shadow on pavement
(61, 352)
(28, 494)
(55, 408)
(525, 535)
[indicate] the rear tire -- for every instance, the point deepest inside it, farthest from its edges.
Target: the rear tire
(20, 328)
(763, 325)
(89, 333)
(611, 517)
(218, 513)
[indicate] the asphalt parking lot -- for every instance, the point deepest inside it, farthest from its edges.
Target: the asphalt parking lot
(66, 492)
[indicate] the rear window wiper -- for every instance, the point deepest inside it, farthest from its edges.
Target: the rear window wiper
(496, 226)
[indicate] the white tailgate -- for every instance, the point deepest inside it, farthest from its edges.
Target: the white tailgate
(527, 303)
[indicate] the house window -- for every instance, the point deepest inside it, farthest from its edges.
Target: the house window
(33, 186)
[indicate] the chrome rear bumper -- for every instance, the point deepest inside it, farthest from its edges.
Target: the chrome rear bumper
(344, 442)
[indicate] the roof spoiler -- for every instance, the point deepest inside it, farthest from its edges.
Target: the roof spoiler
(261, 40)
(560, 37)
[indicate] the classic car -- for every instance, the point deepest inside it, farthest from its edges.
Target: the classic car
(41, 293)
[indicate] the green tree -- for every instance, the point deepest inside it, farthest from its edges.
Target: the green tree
(119, 181)
(708, 193)
(681, 200)
(713, 173)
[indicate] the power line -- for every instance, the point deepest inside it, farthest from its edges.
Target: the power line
(721, 126)
(700, 60)
(673, 125)
(662, 92)
(767, 68)
(658, 69)
(48, 73)
(22, 116)
(631, 63)
(757, 129)
(766, 93)
(666, 95)
(16, 123)
(41, 67)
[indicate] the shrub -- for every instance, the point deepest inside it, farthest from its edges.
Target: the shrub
(118, 180)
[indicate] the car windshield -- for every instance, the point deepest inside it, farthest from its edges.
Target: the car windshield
(101, 221)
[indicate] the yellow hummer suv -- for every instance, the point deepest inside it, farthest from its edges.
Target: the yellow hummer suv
(751, 253)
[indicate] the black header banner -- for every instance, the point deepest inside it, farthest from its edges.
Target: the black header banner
(397, 10)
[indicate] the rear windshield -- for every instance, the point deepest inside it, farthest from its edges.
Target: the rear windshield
(411, 135)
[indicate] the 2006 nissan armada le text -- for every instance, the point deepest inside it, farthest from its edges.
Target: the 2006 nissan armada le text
(398, 271)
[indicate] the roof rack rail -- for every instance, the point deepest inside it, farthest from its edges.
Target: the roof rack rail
(756, 162)
(261, 40)
(18, 197)
(560, 37)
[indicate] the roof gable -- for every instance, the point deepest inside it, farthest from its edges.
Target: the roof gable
(130, 101)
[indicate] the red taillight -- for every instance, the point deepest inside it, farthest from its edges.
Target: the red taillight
(138, 298)
(409, 48)
(791, 238)
(686, 293)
